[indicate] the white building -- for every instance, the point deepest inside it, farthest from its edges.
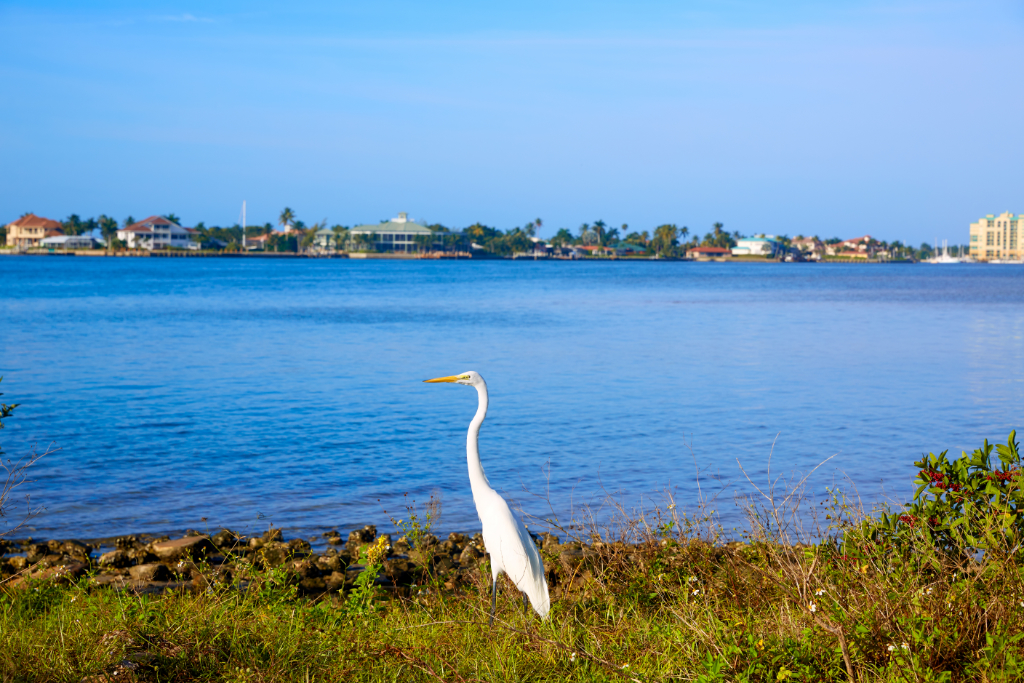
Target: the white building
(810, 247)
(69, 242)
(156, 232)
(397, 234)
(756, 246)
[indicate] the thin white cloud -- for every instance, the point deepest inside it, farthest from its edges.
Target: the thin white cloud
(184, 18)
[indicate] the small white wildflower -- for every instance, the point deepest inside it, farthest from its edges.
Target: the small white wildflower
(692, 579)
(672, 506)
(928, 592)
(820, 592)
(625, 666)
(696, 591)
(812, 607)
(572, 657)
(73, 599)
(892, 648)
(905, 646)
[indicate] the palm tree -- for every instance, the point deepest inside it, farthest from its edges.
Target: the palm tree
(340, 237)
(286, 218)
(310, 235)
(666, 239)
(108, 228)
(586, 235)
(173, 218)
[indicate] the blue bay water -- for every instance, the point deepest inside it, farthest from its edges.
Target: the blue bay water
(258, 391)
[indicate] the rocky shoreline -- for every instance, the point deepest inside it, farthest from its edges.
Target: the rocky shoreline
(147, 564)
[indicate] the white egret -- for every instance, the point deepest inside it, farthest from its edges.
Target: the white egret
(505, 537)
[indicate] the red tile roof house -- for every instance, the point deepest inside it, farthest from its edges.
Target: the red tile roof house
(156, 232)
(253, 242)
(30, 229)
(708, 252)
(860, 247)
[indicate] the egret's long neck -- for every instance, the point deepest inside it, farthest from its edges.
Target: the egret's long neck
(477, 478)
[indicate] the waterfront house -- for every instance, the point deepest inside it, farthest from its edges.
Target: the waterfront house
(810, 247)
(630, 249)
(256, 242)
(69, 242)
(757, 246)
(993, 237)
(708, 253)
(859, 247)
(30, 230)
(157, 232)
(398, 234)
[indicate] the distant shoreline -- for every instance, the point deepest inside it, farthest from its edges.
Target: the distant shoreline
(361, 256)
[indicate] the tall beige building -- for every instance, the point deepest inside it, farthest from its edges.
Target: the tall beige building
(998, 237)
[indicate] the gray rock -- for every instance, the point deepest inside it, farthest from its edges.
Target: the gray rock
(225, 538)
(312, 585)
(298, 546)
(127, 542)
(306, 569)
(36, 551)
(75, 549)
(188, 547)
(549, 542)
(274, 554)
(335, 581)
(115, 558)
(429, 541)
(470, 556)
(330, 563)
(362, 536)
(150, 572)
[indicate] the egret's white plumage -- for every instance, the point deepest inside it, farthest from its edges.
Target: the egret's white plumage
(509, 543)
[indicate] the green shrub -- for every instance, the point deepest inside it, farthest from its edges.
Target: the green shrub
(965, 505)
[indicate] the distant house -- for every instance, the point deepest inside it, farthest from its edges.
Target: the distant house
(708, 253)
(809, 246)
(859, 247)
(325, 239)
(157, 232)
(757, 246)
(69, 242)
(630, 249)
(256, 242)
(397, 234)
(30, 230)
(594, 250)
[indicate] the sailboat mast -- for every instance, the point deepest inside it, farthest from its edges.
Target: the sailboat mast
(243, 224)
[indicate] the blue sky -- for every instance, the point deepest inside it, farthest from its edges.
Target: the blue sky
(898, 119)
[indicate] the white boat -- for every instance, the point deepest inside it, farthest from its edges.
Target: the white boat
(944, 257)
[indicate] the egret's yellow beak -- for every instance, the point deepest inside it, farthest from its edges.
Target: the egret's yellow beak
(453, 378)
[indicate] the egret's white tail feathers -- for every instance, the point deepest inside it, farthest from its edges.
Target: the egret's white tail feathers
(513, 551)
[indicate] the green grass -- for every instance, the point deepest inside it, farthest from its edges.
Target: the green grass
(660, 610)
(933, 592)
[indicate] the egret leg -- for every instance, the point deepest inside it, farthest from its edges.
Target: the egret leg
(494, 601)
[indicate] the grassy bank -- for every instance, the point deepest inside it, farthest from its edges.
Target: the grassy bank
(930, 592)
